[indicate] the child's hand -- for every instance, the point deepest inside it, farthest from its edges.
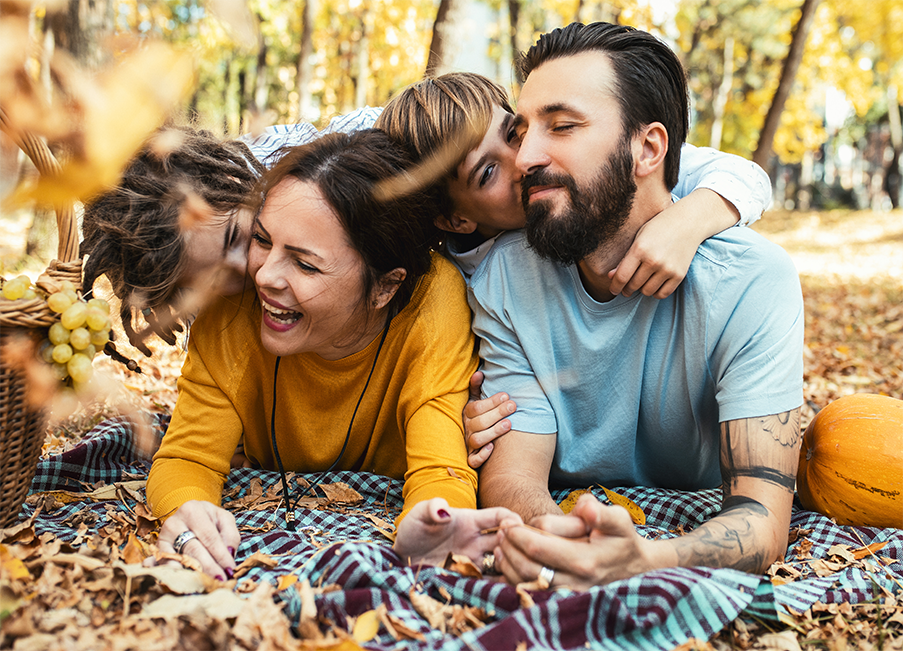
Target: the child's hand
(658, 260)
(484, 421)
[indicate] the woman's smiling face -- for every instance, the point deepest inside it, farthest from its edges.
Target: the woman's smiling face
(309, 278)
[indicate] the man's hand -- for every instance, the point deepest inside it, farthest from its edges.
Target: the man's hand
(593, 545)
(216, 539)
(432, 529)
(484, 421)
(658, 260)
(596, 544)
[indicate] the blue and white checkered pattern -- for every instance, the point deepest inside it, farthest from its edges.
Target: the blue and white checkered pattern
(657, 610)
(291, 135)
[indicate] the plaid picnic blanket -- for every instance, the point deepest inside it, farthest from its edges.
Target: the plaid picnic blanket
(657, 610)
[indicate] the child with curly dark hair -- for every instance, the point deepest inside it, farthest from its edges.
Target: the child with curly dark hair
(177, 220)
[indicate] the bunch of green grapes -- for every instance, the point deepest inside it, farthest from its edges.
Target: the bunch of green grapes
(19, 287)
(82, 331)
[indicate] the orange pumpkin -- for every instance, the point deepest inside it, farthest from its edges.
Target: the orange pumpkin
(851, 462)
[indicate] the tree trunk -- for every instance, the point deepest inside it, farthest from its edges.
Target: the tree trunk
(763, 152)
(724, 89)
(578, 11)
(261, 85)
(227, 82)
(65, 22)
(363, 61)
(242, 98)
(892, 178)
(513, 26)
(306, 48)
(893, 182)
(438, 53)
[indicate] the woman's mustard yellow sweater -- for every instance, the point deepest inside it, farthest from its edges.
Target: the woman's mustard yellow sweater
(408, 425)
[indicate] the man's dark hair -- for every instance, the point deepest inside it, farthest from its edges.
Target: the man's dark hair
(650, 82)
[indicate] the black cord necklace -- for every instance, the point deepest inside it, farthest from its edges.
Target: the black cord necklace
(286, 491)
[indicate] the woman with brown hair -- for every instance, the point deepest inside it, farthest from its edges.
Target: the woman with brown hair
(351, 350)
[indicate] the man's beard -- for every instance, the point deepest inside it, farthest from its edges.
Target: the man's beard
(592, 217)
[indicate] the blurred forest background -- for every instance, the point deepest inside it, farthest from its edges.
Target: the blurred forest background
(810, 89)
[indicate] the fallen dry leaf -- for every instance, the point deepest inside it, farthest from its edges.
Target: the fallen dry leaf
(636, 513)
(526, 599)
(286, 581)
(783, 641)
(869, 550)
(568, 503)
(341, 493)
(220, 604)
(176, 579)
(430, 609)
(397, 629)
(462, 565)
(366, 626)
(257, 559)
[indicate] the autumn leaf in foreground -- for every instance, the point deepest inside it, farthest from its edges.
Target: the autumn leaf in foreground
(366, 626)
(120, 110)
(238, 21)
(447, 617)
(636, 513)
(342, 493)
(568, 503)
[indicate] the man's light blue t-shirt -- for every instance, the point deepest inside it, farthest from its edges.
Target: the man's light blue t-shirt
(636, 387)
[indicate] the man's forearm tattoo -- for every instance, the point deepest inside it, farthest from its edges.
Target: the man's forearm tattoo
(757, 456)
(784, 428)
(765, 448)
(730, 540)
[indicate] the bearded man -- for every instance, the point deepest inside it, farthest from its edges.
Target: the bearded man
(694, 391)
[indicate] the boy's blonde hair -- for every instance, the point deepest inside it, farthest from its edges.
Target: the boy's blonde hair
(440, 120)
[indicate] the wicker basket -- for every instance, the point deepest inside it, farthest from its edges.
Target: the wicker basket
(22, 424)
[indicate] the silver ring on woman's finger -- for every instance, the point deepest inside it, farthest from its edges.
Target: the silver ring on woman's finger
(489, 564)
(181, 540)
(546, 574)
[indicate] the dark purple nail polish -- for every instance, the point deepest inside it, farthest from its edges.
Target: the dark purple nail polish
(231, 551)
(220, 577)
(445, 515)
(230, 572)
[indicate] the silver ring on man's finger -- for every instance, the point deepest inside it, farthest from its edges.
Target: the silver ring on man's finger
(546, 574)
(181, 540)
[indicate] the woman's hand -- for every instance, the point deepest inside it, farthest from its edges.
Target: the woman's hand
(432, 529)
(484, 421)
(216, 536)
